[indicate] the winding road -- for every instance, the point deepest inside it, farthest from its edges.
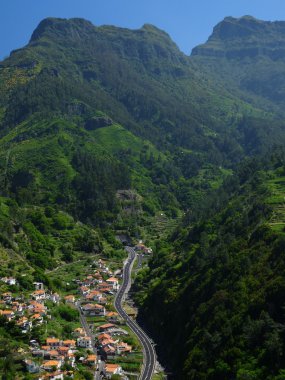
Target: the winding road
(148, 349)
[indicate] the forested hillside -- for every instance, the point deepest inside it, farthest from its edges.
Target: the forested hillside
(213, 296)
(107, 131)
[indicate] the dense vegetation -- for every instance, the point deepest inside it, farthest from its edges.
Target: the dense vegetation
(108, 131)
(217, 286)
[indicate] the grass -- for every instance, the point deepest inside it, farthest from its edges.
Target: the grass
(276, 199)
(130, 363)
(158, 376)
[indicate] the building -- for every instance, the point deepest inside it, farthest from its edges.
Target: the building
(113, 369)
(84, 342)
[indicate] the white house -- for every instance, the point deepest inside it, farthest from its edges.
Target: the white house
(38, 285)
(114, 282)
(9, 280)
(84, 342)
(113, 369)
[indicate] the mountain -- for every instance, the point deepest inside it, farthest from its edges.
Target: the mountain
(215, 289)
(75, 87)
(212, 297)
(248, 56)
(107, 131)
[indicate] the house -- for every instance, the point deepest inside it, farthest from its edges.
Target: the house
(37, 319)
(84, 342)
(114, 282)
(32, 367)
(64, 351)
(113, 317)
(17, 308)
(69, 343)
(107, 342)
(37, 308)
(9, 280)
(91, 360)
(106, 327)
(123, 347)
(38, 285)
(53, 342)
(93, 310)
(9, 314)
(84, 290)
(69, 299)
(51, 365)
(24, 324)
(108, 352)
(52, 354)
(105, 287)
(79, 332)
(113, 369)
(7, 297)
(54, 297)
(103, 336)
(39, 295)
(95, 295)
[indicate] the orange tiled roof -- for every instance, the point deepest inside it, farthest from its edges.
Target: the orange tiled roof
(113, 279)
(106, 326)
(111, 367)
(69, 342)
(52, 340)
(104, 336)
(91, 357)
(51, 363)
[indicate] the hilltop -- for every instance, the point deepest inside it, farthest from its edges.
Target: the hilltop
(107, 131)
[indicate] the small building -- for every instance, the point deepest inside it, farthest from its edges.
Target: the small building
(9, 314)
(69, 299)
(94, 310)
(91, 360)
(79, 332)
(106, 327)
(38, 285)
(39, 295)
(69, 343)
(32, 367)
(114, 282)
(9, 280)
(84, 342)
(113, 369)
(51, 365)
(53, 342)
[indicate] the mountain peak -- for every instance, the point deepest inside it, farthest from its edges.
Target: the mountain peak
(51, 25)
(244, 36)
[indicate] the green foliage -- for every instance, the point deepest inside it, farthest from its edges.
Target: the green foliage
(220, 296)
(67, 313)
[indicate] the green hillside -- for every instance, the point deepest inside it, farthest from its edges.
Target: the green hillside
(217, 285)
(107, 131)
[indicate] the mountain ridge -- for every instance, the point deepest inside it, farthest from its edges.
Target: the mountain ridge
(105, 131)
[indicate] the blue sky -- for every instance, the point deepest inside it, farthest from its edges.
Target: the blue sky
(189, 22)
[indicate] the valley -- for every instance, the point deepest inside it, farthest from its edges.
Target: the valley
(113, 138)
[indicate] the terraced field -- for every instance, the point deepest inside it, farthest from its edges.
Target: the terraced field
(277, 201)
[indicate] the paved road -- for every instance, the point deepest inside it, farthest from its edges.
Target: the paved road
(140, 258)
(149, 352)
(84, 324)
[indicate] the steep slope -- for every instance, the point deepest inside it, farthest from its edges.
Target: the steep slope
(216, 289)
(104, 129)
(248, 56)
(74, 79)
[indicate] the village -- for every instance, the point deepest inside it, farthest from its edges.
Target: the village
(101, 345)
